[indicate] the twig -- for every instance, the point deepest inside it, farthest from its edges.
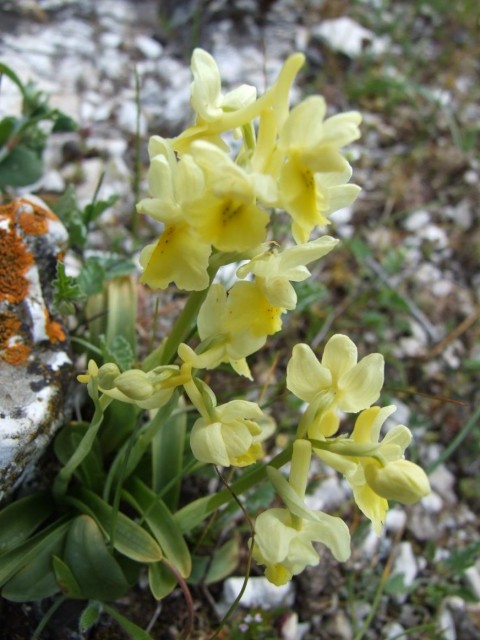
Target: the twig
(432, 331)
(456, 333)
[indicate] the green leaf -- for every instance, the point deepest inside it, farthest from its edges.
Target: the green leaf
(66, 292)
(21, 167)
(135, 453)
(96, 571)
(65, 579)
(91, 277)
(195, 512)
(7, 127)
(223, 562)
(16, 559)
(119, 351)
(20, 519)
(10, 73)
(95, 209)
(167, 458)
(35, 578)
(63, 123)
(116, 266)
(89, 616)
(160, 580)
(135, 632)
(90, 471)
(129, 538)
(161, 523)
(68, 211)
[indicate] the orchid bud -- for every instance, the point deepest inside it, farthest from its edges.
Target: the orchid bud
(399, 480)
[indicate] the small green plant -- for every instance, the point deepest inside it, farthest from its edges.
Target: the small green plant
(22, 139)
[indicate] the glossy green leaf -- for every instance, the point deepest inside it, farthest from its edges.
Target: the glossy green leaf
(129, 538)
(35, 578)
(221, 564)
(21, 518)
(161, 580)
(162, 525)
(96, 571)
(65, 579)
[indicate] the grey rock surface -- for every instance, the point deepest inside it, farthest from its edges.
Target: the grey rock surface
(35, 366)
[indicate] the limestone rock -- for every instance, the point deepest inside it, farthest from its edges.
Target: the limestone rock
(34, 362)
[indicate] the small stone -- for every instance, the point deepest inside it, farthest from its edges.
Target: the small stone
(446, 617)
(339, 626)
(127, 114)
(258, 593)
(442, 482)
(417, 220)
(149, 47)
(34, 359)
(393, 630)
(395, 520)
(472, 578)
(405, 565)
(348, 37)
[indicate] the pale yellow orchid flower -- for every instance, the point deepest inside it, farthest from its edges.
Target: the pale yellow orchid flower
(221, 342)
(339, 381)
(376, 471)
(275, 270)
(226, 214)
(179, 255)
(314, 174)
(206, 90)
(231, 435)
(284, 537)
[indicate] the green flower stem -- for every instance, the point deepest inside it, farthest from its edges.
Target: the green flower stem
(194, 513)
(300, 466)
(183, 325)
(188, 317)
(65, 474)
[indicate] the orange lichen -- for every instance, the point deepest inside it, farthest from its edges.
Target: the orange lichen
(34, 219)
(16, 353)
(15, 259)
(53, 329)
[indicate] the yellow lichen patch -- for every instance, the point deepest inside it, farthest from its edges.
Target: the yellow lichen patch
(33, 219)
(53, 329)
(12, 352)
(15, 259)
